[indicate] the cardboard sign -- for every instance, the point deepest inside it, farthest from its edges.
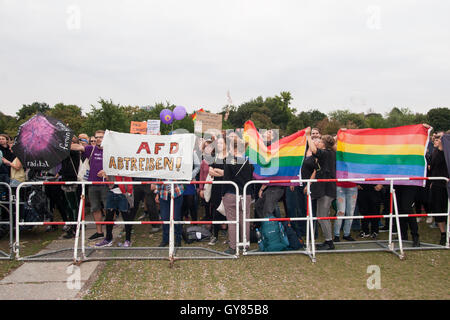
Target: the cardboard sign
(138, 127)
(153, 126)
(148, 156)
(208, 121)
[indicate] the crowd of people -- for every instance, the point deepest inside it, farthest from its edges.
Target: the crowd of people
(222, 158)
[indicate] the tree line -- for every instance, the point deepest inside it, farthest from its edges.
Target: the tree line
(266, 113)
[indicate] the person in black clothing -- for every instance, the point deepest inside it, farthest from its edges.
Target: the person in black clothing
(438, 188)
(68, 172)
(369, 200)
(216, 170)
(5, 171)
(237, 169)
(324, 192)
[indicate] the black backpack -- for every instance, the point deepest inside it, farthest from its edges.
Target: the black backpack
(193, 233)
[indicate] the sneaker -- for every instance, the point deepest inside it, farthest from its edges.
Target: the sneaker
(374, 235)
(66, 228)
(104, 243)
(155, 229)
(362, 234)
(230, 251)
(126, 244)
(163, 244)
(416, 242)
(51, 228)
(429, 220)
(96, 236)
(213, 241)
(327, 245)
(443, 240)
(433, 225)
(336, 239)
(69, 234)
(348, 238)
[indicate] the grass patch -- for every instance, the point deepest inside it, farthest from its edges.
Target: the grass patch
(422, 275)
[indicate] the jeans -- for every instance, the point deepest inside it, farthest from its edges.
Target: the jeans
(164, 206)
(345, 203)
(296, 208)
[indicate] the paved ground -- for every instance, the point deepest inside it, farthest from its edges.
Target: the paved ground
(51, 280)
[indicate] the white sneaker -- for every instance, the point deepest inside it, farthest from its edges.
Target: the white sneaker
(429, 220)
(213, 241)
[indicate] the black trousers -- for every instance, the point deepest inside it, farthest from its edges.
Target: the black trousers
(369, 203)
(143, 193)
(405, 202)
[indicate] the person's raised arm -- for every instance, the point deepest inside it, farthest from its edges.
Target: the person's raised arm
(76, 147)
(311, 144)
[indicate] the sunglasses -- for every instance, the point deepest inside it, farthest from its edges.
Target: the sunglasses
(92, 141)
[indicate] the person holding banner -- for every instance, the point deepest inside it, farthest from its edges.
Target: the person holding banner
(164, 193)
(438, 188)
(118, 201)
(324, 192)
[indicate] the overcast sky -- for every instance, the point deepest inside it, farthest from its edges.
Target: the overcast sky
(330, 55)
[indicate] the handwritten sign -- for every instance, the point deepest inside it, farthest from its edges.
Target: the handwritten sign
(153, 126)
(208, 121)
(138, 127)
(148, 156)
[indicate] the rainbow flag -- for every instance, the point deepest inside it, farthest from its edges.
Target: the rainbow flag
(194, 116)
(382, 153)
(282, 160)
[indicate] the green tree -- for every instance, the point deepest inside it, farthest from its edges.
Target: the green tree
(399, 117)
(29, 110)
(439, 119)
(69, 114)
(107, 116)
(348, 118)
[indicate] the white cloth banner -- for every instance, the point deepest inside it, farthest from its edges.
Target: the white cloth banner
(148, 156)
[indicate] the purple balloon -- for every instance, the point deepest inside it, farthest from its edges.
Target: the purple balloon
(179, 112)
(166, 116)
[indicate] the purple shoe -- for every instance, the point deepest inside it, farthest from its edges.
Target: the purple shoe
(126, 244)
(104, 243)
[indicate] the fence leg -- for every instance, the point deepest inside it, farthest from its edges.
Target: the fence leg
(11, 226)
(311, 224)
(397, 220)
(77, 232)
(391, 191)
(17, 243)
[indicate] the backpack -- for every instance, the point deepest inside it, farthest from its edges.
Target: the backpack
(196, 233)
(294, 241)
(273, 236)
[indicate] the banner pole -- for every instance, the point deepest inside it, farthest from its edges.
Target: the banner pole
(172, 231)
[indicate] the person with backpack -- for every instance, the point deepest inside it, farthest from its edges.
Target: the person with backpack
(238, 170)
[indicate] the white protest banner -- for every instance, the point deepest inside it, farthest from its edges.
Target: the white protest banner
(148, 156)
(153, 126)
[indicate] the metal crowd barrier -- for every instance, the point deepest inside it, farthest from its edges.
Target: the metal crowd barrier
(310, 249)
(7, 205)
(80, 253)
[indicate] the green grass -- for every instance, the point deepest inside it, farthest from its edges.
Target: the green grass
(422, 275)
